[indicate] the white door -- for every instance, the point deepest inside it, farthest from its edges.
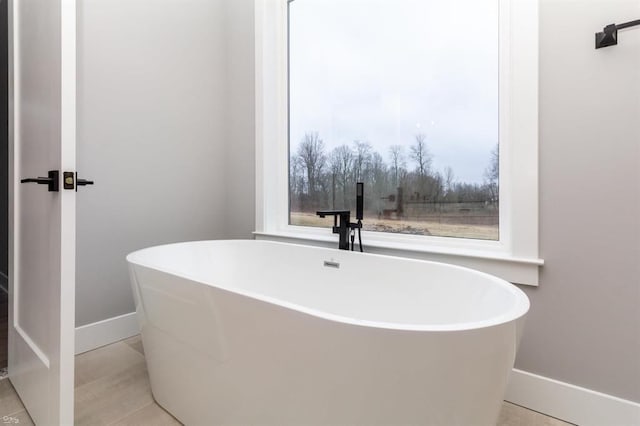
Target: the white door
(42, 222)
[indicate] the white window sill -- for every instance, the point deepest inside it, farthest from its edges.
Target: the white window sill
(485, 257)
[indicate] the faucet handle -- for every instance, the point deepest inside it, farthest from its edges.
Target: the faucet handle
(344, 215)
(324, 213)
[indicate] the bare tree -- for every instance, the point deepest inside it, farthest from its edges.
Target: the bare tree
(313, 159)
(436, 187)
(341, 160)
(449, 179)
(420, 154)
(296, 175)
(377, 183)
(492, 175)
(398, 162)
(361, 160)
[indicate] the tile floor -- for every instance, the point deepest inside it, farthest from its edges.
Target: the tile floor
(112, 388)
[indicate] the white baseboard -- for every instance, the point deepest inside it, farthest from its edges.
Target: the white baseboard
(101, 333)
(570, 403)
(4, 282)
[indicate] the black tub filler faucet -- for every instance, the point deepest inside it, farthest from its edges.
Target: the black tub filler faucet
(342, 224)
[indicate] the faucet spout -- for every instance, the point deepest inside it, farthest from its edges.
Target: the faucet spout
(341, 225)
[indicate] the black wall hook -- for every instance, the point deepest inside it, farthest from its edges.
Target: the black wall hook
(609, 35)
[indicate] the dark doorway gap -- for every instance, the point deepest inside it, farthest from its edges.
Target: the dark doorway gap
(4, 179)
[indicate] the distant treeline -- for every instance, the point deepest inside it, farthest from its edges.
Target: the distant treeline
(319, 179)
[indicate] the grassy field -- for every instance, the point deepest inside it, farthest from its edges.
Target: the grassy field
(415, 227)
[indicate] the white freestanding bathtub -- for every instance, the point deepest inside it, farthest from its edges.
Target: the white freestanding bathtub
(261, 333)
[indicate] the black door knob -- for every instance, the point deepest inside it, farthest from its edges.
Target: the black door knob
(82, 182)
(52, 181)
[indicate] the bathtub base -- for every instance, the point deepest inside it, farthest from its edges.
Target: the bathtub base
(255, 363)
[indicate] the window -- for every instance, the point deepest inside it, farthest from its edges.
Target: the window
(402, 95)
(436, 99)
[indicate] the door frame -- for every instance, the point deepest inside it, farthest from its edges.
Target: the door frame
(64, 360)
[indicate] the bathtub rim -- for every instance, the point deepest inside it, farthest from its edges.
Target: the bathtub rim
(515, 312)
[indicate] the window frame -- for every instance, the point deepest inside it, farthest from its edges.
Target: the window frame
(515, 256)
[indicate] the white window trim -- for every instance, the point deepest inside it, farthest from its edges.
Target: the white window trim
(515, 257)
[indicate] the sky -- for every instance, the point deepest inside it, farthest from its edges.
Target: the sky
(382, 71)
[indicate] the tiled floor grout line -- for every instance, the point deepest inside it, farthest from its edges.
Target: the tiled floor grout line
(16, 412)
(151, 404)
(551, 417)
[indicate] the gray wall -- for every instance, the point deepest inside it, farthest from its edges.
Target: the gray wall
(152, 113)
(4, 145)
(166, 129)
(584, 325)
(240, 177)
